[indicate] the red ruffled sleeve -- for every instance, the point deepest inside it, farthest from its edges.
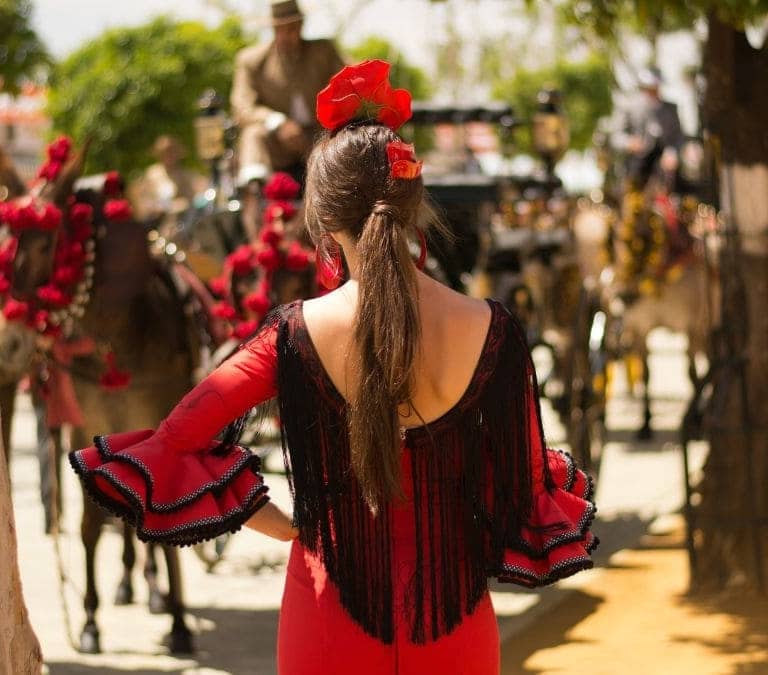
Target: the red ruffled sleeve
(178, 485)
(554, 541)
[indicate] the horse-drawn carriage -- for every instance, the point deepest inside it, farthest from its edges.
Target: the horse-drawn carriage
(514, 240)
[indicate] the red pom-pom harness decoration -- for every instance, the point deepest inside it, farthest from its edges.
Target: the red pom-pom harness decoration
(67, 292)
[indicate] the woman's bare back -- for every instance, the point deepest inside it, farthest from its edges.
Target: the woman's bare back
(453, 331)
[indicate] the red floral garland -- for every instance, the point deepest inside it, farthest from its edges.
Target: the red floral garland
(68, 290)
(263, 258)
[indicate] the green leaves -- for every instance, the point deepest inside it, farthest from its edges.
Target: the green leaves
(131, 85)
(586, 88)
(22, 54)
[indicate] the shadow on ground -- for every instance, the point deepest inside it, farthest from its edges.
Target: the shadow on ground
(235, 641)
(559, 620)
(746, 638)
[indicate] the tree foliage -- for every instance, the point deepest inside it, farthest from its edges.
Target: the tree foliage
(130, 85)
(22, 54)
(604, 16)
(586, 88)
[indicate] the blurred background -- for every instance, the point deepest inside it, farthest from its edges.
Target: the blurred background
(603, 169)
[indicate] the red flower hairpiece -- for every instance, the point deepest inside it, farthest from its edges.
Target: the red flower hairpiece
(363, 92)
(402, 161)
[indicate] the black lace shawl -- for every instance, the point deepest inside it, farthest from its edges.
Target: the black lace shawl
(471, 483)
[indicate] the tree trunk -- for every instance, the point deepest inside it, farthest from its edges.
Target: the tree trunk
(732, 517)
(19, 649)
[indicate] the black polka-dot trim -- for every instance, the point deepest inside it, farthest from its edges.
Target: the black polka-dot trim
(180, 534)
(578, 533)
(248, 460)
(527, 577)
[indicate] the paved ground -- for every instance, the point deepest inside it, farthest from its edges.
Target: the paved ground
(233, 612)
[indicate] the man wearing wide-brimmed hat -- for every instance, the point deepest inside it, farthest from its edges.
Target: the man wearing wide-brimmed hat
(273, 94)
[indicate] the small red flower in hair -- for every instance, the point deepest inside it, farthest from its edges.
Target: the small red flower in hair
(49, 171)
(402, 160)
(281, 186)
(362, 92)
(53, 296)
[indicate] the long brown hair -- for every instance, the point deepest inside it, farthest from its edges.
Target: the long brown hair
(349, 189)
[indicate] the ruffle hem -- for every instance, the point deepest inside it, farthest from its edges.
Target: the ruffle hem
(179, 498)
(556, 541)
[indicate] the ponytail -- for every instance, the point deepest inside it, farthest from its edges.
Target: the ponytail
(350, 188)
(387, 332)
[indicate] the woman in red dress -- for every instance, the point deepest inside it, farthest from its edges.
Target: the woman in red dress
(411, 433)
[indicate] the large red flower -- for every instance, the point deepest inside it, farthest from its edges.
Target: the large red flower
(363, 91)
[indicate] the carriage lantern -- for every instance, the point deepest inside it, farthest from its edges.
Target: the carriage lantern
(210, 126)
(551, 133)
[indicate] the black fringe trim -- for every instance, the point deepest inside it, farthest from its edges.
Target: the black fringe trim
(185, 534)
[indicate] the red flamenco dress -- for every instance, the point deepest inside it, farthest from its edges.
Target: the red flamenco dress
(403, 591)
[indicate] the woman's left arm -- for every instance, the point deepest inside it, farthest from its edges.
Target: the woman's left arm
(273, 522)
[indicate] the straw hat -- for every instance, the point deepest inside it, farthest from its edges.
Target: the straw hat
(284, 12)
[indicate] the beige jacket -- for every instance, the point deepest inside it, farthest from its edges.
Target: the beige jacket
(265, 84)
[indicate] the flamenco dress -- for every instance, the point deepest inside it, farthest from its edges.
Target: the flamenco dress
(401, 591)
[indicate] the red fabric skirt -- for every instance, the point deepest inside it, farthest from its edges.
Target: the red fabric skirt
(316, 635)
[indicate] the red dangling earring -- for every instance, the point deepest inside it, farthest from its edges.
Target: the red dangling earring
(422, 250)
(330, 269)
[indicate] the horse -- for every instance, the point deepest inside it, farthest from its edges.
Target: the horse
(130, 307)
(684, 300)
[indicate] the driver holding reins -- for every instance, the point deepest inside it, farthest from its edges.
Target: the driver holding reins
(273, 95)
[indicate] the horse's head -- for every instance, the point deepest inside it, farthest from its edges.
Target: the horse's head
(36, 219)
(122, 260)
(67, 235)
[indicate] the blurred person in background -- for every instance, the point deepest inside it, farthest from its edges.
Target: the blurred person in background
(166, 187)
(273, 95)
(649, 135)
